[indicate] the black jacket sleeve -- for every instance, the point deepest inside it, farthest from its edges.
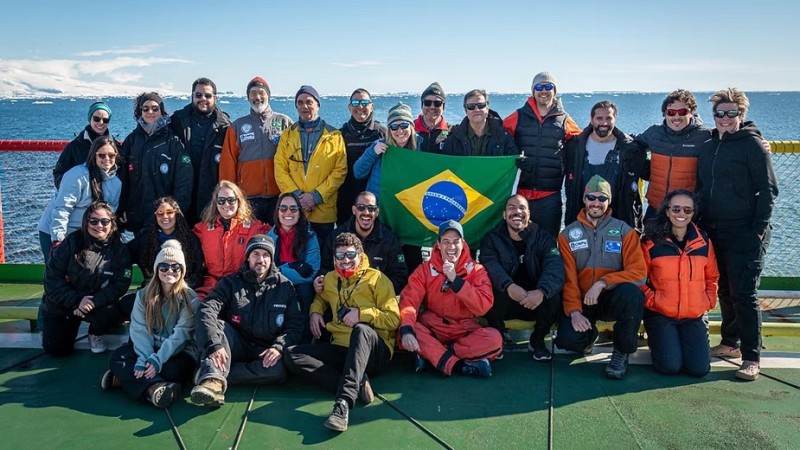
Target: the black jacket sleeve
(396, 268)
(490, 259)
(551, 281)
(59, 294)
(294, 321)
(119, 283)
(184, 174)
(763, 176)
(208, 332)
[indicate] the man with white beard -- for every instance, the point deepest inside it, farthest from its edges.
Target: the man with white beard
(249, 150)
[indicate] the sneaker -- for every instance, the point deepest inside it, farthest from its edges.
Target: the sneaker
(749, 370)
(500, 355)
(618, 366)
(208, 393)
(161, 395)
(109, 381)
(365, 393)
(339, 417)
(593, 340)
(480, 368)
(420, 364)
(539, 352)
(97, 344)
(725, 351)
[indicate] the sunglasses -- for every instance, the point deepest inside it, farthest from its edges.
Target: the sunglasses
(351, 255)
(94, 221)
(200, 95)
(472, 106)
(174, 267)
(230, 200)
(599, 198)
(292, 208)
(168, 213)
(544, 87)
(719, 114)
(151, 108)
(101, 119)
(361, 207)
(686, 209)
(399, 126)
(357, 103)
(677, 112)
(106, 155)
(436, 103)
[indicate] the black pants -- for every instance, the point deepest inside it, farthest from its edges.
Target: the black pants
(624, 305)
(740, 258)
(59, 331)
(322, 230)
(264, 208)
(545, 315)
(244, 365)
(177, 369)
(547, 212)
(341, 368)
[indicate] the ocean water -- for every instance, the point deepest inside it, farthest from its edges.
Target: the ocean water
(26, 181)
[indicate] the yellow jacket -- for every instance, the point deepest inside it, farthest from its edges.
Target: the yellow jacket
(326, 169)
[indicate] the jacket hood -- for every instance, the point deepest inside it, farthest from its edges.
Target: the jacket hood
(747, 130)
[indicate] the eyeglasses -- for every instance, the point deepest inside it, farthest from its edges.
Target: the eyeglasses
(599, 198)
(207, 95)
(101, 119)
(399, 126)
(351, 255)
(361, 207)
(106, 155)
(168, 213)
(436, 103)
(356, 103)
(174, 267)
(719, 114)
(677, 208)
(95, 220)
(678, 112)
(292, 208)
(151, 108)
(230, 200)
(544, 87)
(472, 106)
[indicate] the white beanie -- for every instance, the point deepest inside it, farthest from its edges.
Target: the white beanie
(170, 251)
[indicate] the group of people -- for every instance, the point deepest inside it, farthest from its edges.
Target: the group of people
(255, 268)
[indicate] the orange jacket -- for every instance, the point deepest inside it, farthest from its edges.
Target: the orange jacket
(681, 284)
(224, 250)
(611, 252)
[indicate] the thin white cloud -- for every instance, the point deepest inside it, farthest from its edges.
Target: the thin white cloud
(364, 63)
(111, 65)
(136, 50)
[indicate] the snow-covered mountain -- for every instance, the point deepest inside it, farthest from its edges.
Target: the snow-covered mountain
(18, 83)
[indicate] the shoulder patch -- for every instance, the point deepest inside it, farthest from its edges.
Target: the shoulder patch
(127, 273)
(554, 251)
(401, 258)
(185, 159)
(575, 234)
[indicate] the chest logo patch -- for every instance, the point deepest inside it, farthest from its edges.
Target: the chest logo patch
(613, 247)
(579, 245)
(575, 234)
(164, 168)
(279, 320)
(246, 128)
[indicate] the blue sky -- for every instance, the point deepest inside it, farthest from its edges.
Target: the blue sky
(402, 46)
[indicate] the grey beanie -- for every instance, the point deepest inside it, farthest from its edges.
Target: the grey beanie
(544, 77)
(399, 113)
(261, 241)
(433, 89)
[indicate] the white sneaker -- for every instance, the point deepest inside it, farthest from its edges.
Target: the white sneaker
(97, 344)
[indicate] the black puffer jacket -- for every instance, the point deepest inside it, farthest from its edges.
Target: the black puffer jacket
(357, 137)
(501, 143)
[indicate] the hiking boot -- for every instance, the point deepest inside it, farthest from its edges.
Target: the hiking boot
(365, 393)
(593, 340)
(97, 344)
(539, 352)
(618, 366)
(161, 395)
(420, 364)
(109, 381)
(725, 351)
(209, 392)
(480, 368)
(339, 417)
(749, 370)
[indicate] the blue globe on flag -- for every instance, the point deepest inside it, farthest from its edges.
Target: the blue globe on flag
(444, 200)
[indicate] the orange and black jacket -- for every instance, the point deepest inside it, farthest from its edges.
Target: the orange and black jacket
(681, 284)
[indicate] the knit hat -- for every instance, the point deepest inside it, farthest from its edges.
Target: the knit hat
(544, 77)
(450, 225)
(258, 82)
(399, 113)
(170, 251)
(98, 105)
(598, 184)
(149, 96)
(305, 89)
(433, 89)
(261, 241)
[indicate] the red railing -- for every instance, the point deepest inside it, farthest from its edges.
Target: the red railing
(32, 145)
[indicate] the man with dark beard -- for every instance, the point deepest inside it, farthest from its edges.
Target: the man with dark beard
(201, 127)
(602, 149)
(249, 151)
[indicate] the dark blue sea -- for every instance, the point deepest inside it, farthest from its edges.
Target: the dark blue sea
(26, 180)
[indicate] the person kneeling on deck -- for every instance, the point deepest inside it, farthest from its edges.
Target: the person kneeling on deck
(604, 266)
(527, 274)
(244, 325)
(454, 291)
(362, 333)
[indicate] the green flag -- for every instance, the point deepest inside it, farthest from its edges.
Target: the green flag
(420, 190)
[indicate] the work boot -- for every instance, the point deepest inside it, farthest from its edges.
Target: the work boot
(618, 366)
(480, 368)
(748, 371)
(339, 417)
(365, 393)
(162, 395)
(209, 392)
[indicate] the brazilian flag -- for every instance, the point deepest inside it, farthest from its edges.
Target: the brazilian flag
(420, 190)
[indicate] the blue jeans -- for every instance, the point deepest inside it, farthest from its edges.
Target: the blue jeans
(678, 345)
